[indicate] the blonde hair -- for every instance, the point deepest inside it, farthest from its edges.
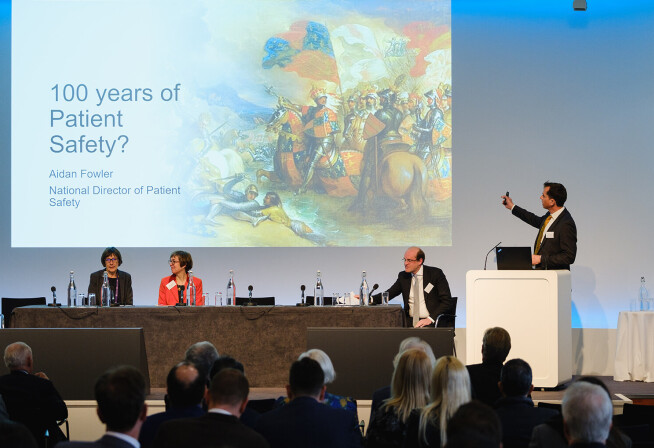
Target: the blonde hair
(410, 383)
(450, 388)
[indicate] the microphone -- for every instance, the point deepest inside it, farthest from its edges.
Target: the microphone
(302, 288)
(54, 297)
(250, 302)
(374, 288)
(486, 261)
(250, 288)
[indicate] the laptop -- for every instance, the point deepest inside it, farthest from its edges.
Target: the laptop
(513, 258)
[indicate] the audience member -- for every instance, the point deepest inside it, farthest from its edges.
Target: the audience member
(186, 387)
(516, 409)
(484, 377)
(305, 421)
(120, 393)
(203, 355)
(474, 425)
(450, 388)
(227, 398)
(587, 415)
(551, 434)
(31, 398)
(384, 393)
(249, 417)
(15, 435)
(409, 390)
(335, 401)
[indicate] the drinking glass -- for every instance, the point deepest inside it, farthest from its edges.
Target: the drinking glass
(218, 299)
(385, 298)
(205, 298)
(335, 299)
(92, 300)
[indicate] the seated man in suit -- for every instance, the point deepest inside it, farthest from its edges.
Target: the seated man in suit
(186, 387)
(120, 393)
(249, 417)
(227, 398)
(587, 415)
(424, 289)
(306, 421)
(31, 398)
(516, 409)
(484, 377)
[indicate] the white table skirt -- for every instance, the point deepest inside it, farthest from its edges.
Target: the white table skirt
(634, 353)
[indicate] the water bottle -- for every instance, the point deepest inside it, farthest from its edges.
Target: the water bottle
(105, 291)
(230, 295)
(643, 296)
(190, 291)
(2, 320)
(318, 291)
(72, 291)
(364, 292)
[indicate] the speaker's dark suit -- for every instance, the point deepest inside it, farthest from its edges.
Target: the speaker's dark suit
(305, 422)
(125, 294)
(438, 299)
(560, 251)
(210, 430)
(35, 403)
(105, 441)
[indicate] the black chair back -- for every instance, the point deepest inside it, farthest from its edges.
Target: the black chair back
(448, 318)
(310, 300)
(262, 301)
(263, 405)
(9, 303)
(555, 406)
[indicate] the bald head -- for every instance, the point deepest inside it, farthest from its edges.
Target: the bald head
(185, 385)
(18, 356)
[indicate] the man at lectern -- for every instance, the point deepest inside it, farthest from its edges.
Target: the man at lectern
(556, 243)
(424, 289)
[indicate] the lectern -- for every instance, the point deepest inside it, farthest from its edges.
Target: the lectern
(534, 307)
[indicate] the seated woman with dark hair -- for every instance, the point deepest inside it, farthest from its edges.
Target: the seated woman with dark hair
(172, 289)
(120, 282)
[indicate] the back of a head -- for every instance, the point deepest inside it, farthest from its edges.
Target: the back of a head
(225, 362)
(120, 393)
(203, 355)
(325, 363)
(185, 385)
(306, 378)
(516, 378)
(410, 383)
(414, 342)
(17, 355)
(450, 389)
(587, 412)
(496, 345)
(229, 387)
(474, 424)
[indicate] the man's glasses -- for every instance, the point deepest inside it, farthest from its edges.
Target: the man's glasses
(409, 260)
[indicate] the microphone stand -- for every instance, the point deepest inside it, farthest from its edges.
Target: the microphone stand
(302, 303)
(54, 297)
(494, 247)
(370, 299)
(250, 302)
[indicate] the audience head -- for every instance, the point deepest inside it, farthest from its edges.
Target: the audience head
(203, 355)
(120, 393)
(229, 390)
(306, 378)
(325, 363)
(185, 385)
(515, 378)
(410, 383)
(414, 342)
(476, 425)
(496, 345)
(587, 413)
(225, 362)
(450, 388)
(18, 356)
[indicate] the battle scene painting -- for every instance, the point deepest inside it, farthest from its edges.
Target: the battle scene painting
(319, 124)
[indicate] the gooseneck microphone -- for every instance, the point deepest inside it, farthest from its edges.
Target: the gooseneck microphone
(54, 297)
(302, 288)
(250, 288)
(486, 261)
(374, 288)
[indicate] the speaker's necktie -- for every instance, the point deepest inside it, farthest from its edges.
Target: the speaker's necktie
(540, 234)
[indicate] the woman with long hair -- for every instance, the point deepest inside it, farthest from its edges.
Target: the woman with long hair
(409, 390)
(450, 388)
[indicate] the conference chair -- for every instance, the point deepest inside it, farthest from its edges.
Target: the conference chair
(9, 303)
(259, 301)
(448, 318)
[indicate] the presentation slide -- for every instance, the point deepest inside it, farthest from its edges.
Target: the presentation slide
(212, 123)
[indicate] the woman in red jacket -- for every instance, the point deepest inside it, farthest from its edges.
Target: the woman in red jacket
(172, 290)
